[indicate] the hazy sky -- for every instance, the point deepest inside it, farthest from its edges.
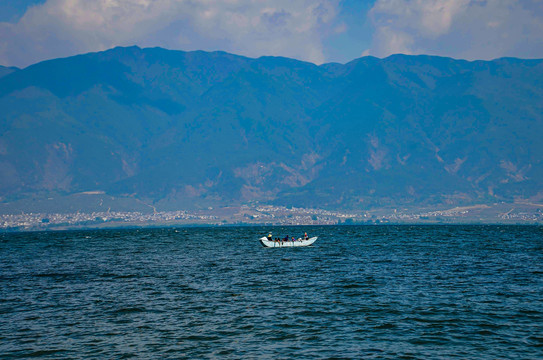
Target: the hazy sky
(313, 30)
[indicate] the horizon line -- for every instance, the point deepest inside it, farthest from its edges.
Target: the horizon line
(270, 56)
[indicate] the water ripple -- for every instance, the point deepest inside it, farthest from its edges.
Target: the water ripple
(411, 292)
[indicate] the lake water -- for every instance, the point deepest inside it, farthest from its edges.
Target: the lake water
(412, 292)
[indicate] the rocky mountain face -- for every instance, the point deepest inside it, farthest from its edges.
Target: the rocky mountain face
(196, 129)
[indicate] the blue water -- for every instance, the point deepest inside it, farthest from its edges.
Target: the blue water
(413, 292)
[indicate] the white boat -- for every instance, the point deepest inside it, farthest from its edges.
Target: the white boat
(300, 242)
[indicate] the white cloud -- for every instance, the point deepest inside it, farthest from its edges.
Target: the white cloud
(250, 27)
(341, 28)
(469, 29)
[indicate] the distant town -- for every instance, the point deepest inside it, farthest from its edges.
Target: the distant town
(518, 213)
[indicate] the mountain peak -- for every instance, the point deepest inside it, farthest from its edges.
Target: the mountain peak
(198, 128)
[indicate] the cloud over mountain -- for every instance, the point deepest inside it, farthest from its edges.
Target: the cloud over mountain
(467, 29)
(59, 28)
(312, 30)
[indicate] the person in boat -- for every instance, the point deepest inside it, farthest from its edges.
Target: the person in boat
(286, 238)
(293, 239)
(305, 236)
(270, 237)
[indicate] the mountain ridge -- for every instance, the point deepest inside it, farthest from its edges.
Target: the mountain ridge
(196, 129)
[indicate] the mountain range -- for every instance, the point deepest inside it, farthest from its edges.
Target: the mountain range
(179, 129)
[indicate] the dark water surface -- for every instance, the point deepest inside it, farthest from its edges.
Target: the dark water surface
(413, 292)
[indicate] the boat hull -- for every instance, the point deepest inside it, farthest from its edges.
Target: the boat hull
(298, 243)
